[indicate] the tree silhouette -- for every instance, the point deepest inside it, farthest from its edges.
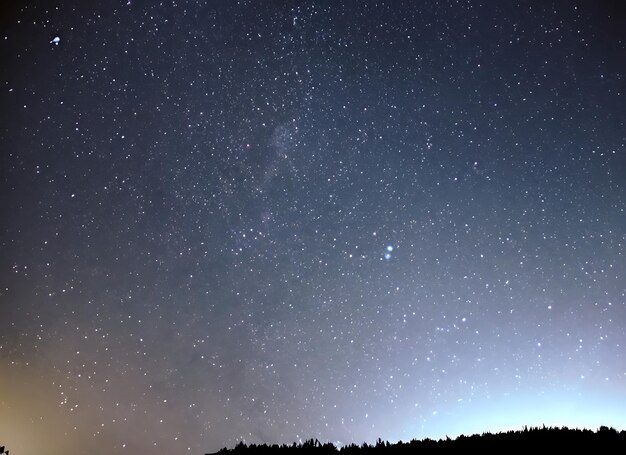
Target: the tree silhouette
(605, 440)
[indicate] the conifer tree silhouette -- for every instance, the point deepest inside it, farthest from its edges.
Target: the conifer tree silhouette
(525, 440)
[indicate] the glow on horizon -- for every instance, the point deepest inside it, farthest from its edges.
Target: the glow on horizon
(513, 412)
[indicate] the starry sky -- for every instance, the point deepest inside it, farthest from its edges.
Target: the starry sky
(277, 220)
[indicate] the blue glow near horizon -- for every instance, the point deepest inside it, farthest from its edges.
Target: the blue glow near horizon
(559, 408)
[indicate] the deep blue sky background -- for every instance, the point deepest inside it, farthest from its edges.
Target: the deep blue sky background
(273, 221)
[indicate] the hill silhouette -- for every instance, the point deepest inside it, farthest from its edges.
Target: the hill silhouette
(563, 440)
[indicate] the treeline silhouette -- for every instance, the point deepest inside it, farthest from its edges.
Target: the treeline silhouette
(606, 440)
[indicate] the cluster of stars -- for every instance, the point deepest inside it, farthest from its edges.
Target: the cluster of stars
(246, 221)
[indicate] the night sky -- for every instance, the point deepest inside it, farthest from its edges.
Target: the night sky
(272, 221)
